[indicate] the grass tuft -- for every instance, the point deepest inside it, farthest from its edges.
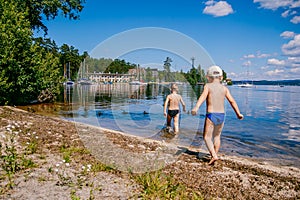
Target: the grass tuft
(157, 185)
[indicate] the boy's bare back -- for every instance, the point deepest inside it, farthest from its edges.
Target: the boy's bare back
(215, 97)
(174, 100)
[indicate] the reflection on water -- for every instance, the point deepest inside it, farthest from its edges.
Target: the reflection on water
(271, 127)
(135, 109)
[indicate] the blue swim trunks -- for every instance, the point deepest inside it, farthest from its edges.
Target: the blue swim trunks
(216, 118)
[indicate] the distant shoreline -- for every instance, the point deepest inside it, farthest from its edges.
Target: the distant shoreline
(266, 82)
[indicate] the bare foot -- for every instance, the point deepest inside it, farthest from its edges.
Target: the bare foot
(212, 161)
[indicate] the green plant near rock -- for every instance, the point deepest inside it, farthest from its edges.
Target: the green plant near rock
(157, 185)
(11, 161)
(32, 146)
(69, 151)
(74, 196)
(98, 166)
(27, 163)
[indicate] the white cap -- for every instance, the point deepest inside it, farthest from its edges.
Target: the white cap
(214, 71)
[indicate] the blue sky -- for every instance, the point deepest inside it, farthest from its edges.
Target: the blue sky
(249, 39)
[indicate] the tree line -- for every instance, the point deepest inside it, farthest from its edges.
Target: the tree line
(106, 65)
(28, 64)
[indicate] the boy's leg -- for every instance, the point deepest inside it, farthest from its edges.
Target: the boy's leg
(207, 135)
(169, 118)
(217, 137)
(176, 123)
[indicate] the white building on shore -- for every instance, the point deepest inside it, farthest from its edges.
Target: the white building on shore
(111, 77)
(132, 75)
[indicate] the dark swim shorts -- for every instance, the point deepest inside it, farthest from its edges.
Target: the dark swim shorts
(173, 113)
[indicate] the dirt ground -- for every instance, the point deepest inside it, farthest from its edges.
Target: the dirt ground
(57, 159)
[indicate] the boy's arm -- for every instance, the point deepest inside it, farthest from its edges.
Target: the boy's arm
(233, 104)
(200, 100)
(166, 105)
(183, 104)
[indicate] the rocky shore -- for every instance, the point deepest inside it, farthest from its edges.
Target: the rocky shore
(49, 158)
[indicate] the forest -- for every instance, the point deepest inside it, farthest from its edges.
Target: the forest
(28, 64)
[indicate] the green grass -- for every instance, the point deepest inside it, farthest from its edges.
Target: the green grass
(98, 166)
(68, 152)
(31, 147)
(157, 185)
(11, 161)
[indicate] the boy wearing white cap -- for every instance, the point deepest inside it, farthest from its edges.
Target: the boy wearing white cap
(215, 93)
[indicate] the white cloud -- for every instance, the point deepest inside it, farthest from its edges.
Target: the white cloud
(295, 20)
(275, 72)
(294, 12)
(288, 68)
(274, 61)
(264, 67)
(288, 13)
(293, 63)
(249, 56)
(217, 9)
(295, 60)
(292, 48)
(285, 68)
(295, 70)
(247, 63)
(274, 4)
(295, 4)
(263, 55)
(285, 14)
(287, 34)
(290, 7)
(210, 2)
(232, 75)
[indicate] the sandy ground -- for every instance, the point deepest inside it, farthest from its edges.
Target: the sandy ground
(67, 161)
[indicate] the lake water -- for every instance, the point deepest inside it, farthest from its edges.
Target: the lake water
(270, 130)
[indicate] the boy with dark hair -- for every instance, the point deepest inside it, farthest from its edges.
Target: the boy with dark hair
(172, 103)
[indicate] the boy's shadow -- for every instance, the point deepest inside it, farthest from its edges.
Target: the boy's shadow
(204, 157)
(165, 134)
(168, 135)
